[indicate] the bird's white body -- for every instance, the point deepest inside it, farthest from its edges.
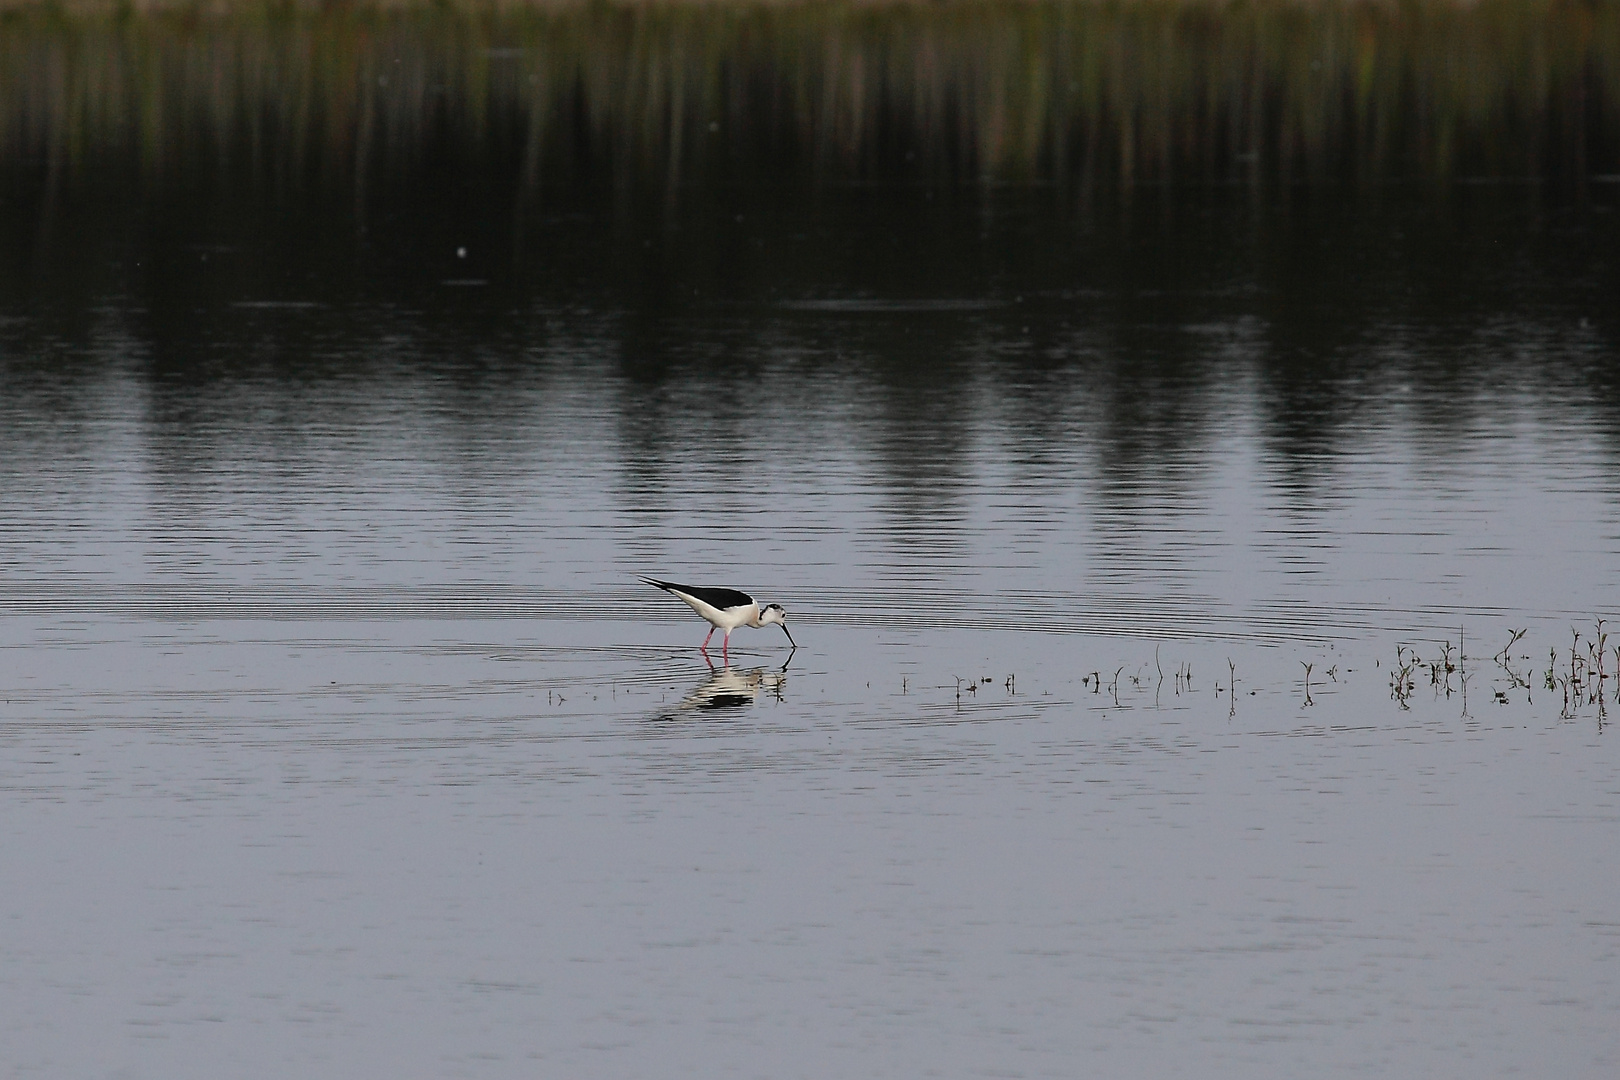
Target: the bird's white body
(725, 609)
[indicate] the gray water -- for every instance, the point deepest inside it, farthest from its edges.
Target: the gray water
(339, 738)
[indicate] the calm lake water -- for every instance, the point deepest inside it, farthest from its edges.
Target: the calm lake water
(338, 737)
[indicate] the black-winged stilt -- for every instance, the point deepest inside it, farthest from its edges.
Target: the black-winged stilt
(726, 609)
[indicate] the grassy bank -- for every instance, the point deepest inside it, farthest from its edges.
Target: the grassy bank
(666, 95)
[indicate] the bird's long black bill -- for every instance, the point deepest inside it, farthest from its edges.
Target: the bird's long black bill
(783, 625)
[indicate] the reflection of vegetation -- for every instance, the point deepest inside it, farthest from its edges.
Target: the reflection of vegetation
(1076, 93)
(1581, 681)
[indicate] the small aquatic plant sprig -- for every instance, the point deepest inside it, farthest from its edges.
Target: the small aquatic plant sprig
(1441, 670)
(1516, 679)
(1596, 650)
(1231, 689)
(1401, 680)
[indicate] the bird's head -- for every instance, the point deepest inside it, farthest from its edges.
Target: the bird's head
(776, 613)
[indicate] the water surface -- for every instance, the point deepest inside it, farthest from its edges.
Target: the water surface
(338, 735)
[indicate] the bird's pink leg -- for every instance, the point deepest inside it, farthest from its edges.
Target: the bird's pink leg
(725, 648)
(705, 646)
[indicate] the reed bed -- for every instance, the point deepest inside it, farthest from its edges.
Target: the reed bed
(669, 95)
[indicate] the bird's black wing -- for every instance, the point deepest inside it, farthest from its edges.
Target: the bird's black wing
(718, 598)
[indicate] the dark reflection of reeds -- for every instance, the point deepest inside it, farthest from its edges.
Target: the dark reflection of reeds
(667, 94)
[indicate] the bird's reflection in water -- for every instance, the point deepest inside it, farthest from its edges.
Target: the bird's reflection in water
(730, 688)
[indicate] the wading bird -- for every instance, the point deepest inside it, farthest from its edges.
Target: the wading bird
(726, 609)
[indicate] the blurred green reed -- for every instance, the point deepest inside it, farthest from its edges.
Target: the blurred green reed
(1089, 94)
